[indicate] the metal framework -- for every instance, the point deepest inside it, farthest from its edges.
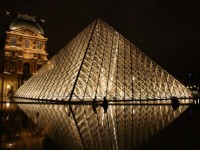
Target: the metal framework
(99, 62)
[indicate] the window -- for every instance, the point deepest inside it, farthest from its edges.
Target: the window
(27, 43)
(13, 41)
(39, 45)
(12, 67)
(26, 69)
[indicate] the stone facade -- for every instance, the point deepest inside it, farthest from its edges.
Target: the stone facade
(24, 53)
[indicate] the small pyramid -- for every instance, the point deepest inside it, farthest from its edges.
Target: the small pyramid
(99, 62)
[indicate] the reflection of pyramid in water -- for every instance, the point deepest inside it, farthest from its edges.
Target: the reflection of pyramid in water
(123, 127)
(101, 62)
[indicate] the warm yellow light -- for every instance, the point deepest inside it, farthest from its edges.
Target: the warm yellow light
(10, 145)
(8, 86)
(7, 105)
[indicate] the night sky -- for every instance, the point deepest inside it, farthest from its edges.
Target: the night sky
(168, 32)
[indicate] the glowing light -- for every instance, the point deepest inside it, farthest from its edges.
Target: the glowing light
(7, 105)
(10, 145)
(8, 86)
(102, 117)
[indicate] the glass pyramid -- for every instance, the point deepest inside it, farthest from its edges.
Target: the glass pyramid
(99, 62)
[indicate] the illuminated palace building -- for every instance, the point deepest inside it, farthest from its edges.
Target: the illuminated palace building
(23, 54)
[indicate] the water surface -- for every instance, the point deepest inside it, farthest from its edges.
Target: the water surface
(47, 125)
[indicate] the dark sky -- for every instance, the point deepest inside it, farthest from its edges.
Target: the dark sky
(167, 31)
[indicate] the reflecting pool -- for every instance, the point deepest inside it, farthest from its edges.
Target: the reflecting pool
(30, 124)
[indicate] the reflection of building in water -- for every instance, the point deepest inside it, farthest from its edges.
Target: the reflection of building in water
(99, 62)
(24, 53)
(17, 130)
(78, 127)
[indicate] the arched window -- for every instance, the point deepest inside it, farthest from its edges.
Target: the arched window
(39, 45)
(13, 41)
(12, 67)
(27, 43)
(26, 69)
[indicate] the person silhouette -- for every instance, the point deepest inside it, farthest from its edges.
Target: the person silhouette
(105, 104)
(175, 103)
(94, 104)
